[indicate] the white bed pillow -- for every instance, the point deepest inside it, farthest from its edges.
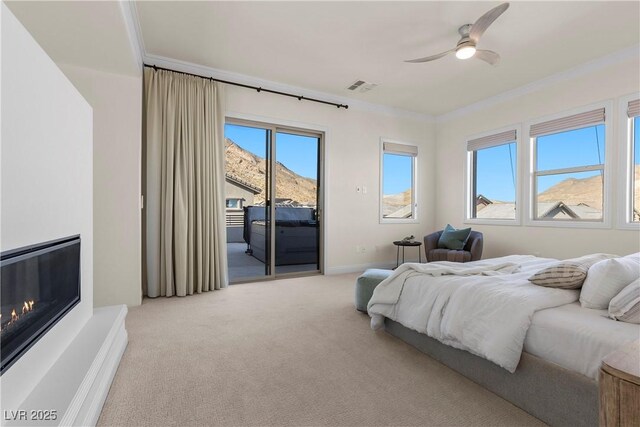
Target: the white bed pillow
(626, 305)
(635, 256)
(605, 279)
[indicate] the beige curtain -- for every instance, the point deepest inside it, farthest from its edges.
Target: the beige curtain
(185, 205)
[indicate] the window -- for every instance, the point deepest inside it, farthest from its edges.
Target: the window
(568, 168)
(633, 162)
(492, 171)
(398, 178)
(234, 203)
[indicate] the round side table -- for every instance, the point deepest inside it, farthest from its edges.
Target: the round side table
(403, 244)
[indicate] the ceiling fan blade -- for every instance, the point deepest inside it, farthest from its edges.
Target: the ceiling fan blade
(488, 56)
(481, 25)
(431, 58)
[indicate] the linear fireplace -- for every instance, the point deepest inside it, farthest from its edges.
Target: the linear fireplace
(39, 284)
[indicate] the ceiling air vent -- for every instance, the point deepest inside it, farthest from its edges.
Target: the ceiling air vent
(362, 86)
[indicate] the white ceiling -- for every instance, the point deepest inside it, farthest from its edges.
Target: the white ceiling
(85, 33)
(326, 46)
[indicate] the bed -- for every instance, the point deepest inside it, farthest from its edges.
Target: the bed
(542, 353)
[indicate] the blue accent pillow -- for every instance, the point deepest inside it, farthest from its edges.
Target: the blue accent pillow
(453, 239)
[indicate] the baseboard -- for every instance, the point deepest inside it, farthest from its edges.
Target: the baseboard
(356, 268)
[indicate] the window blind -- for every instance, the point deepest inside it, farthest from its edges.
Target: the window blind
(566, 123)
(633, 109)
(491, 140)
(403, 149)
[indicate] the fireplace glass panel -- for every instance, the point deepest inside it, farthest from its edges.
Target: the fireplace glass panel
(39, 285)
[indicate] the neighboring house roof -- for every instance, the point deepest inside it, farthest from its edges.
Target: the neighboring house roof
(241, 183)
(586, 212)
(579, 211)
(403, 212)
(286, 203)
(480, 199)
(551, 209)
(497, 210)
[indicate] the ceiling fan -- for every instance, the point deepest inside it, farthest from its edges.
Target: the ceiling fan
(466, 47)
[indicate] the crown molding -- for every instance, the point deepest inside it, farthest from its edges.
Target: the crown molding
(580, 70)
(188, 67)
(132, 23)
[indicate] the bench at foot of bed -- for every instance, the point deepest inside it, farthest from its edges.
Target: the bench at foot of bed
(366, 283)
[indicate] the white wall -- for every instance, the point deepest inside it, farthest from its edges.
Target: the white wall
(46, 188)
(605, 84)
(117, 124)
(352, 159)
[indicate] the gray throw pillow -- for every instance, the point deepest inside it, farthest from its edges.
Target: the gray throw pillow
(568, 274)
(453, 239)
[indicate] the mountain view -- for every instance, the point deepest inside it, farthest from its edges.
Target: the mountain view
(573, 192)
(588, 191)
(302, 190)
(250, 168)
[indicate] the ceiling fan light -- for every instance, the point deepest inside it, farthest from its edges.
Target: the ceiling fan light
(465, 52)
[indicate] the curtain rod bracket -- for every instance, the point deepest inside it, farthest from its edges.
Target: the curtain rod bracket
(258, 89)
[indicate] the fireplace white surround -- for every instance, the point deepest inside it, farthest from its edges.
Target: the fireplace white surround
(77, 384)
(46, 194)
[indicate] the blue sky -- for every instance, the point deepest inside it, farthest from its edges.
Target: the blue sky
(579, 147)
(494, 175)
(397, 173)
(251, 139)
(298, 153)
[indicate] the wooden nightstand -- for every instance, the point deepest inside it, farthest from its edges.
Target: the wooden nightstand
(620, 387)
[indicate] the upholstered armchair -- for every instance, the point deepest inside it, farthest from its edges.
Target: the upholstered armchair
(472, 250)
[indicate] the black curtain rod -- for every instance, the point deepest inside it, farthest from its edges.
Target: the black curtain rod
(259, 89)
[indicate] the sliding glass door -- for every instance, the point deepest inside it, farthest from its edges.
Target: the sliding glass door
(297, 232)
(273, 201)
(247, 193)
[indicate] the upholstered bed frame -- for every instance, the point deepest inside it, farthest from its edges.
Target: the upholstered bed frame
(553, 394)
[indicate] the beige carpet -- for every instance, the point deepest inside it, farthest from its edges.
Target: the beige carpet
(291, 352)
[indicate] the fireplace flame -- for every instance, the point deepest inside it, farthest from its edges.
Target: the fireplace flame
(27, 307)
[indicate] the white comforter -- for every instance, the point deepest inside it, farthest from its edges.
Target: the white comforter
(484, 307)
